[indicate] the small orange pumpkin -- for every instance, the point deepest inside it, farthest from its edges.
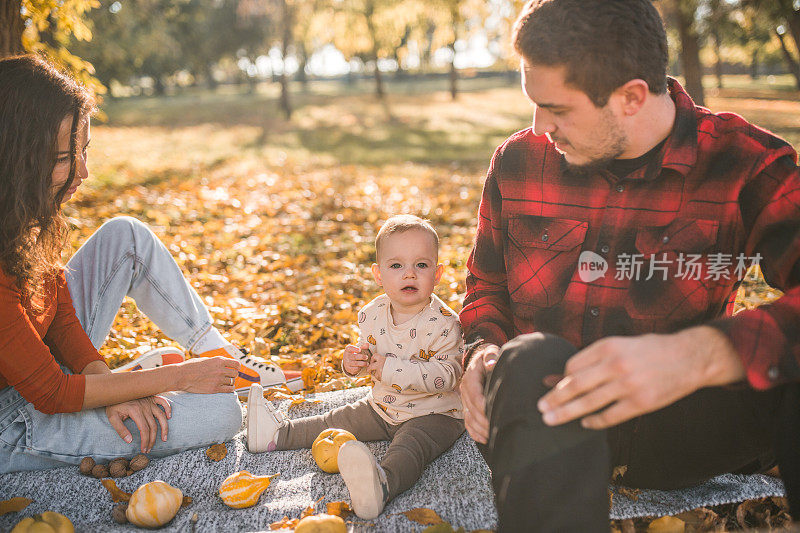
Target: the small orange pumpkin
(321, 523)
(325, 449)
(243, 489)
(47, 522)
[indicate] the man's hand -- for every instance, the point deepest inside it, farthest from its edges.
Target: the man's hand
(147, 413)
(355, 358)
(376, 366)
(471, 388)
(631, 376)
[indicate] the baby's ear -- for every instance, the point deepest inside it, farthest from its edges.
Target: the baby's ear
(376, 273)
(439, 270)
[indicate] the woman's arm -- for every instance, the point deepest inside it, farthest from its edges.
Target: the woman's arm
(203, 375)
(134, 395)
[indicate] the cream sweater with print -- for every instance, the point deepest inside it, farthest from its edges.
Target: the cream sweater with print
(423, 360)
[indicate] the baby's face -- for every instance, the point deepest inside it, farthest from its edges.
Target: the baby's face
(407, 268)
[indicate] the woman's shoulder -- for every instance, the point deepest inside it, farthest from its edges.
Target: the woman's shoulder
(6, 280)
(9, 289)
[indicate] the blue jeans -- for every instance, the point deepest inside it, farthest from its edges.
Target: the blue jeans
(122, 258)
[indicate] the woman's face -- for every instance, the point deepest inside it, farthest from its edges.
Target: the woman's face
(61, 170)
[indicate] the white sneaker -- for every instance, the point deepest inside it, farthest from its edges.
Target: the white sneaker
(255, 370)
(263, 422)
(155, 358)
(365, 479)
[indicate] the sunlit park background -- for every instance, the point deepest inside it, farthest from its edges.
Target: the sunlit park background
(266, 140)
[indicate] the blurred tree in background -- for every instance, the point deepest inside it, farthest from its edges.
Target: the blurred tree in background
(152, 46)
(49, 27)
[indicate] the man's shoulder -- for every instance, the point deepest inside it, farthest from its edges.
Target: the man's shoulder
(523, 139)
(519, 153)
(729, 132)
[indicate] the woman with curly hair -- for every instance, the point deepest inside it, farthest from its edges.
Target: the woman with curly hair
(59, 401)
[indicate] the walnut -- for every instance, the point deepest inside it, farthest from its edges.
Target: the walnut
(100, 471)
(118, 467)
(139, 462)
(118, 513)
(87, 463)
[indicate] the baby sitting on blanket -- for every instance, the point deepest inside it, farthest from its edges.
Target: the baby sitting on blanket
(410, 342)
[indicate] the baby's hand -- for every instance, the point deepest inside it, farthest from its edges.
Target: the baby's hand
(355, 358)
(376, 366)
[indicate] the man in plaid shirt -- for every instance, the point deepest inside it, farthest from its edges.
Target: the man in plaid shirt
(612, 236)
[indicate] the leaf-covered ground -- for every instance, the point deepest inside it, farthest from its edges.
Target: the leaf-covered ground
(274, 222)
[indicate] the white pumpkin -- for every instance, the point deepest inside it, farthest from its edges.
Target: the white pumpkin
(154, 504)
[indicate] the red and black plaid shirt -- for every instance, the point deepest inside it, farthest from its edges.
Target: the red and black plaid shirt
(719, 193)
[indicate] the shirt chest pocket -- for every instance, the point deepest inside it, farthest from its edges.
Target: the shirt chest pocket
(542, 256)
(672, 279)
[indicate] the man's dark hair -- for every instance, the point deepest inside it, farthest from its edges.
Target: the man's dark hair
(602, 43)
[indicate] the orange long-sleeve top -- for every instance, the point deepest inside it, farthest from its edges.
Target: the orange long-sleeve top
(32, 345)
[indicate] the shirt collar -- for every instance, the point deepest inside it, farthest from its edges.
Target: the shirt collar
(680, 151)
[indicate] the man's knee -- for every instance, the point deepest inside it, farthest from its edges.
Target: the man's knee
(532, 357)
(517, 380)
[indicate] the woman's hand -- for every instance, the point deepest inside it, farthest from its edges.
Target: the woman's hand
(147, 413)
(355, 358)
(207, 375)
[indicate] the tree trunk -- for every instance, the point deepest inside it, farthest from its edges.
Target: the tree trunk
(793, 21)
(718, 55)
(791, 62)
(369, 12)
(401, 72)
(453, 78)
(690, 53)
(793, 25)
(454, 14)
(286, 104)
(301, 75)
(10, 28)
(379, 91)
(159, 89)
(211, 82)
(427, 51)
(754, 65)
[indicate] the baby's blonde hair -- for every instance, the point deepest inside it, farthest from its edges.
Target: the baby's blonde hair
(401, 224)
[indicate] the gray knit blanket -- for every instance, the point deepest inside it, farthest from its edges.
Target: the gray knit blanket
(456, 485)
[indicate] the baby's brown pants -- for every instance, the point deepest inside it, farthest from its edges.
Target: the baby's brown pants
(415, 442)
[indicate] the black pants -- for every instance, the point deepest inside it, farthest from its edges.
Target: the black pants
(555, 478)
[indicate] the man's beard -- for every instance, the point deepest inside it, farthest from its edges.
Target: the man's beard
(615, 144)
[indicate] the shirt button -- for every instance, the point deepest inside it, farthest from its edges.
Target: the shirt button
(545, 237)
(595, 312)
(605, 248)
(665, 239)
(620, 188)
(773, 373)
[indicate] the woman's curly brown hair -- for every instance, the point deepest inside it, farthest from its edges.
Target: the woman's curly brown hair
(35, 98)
